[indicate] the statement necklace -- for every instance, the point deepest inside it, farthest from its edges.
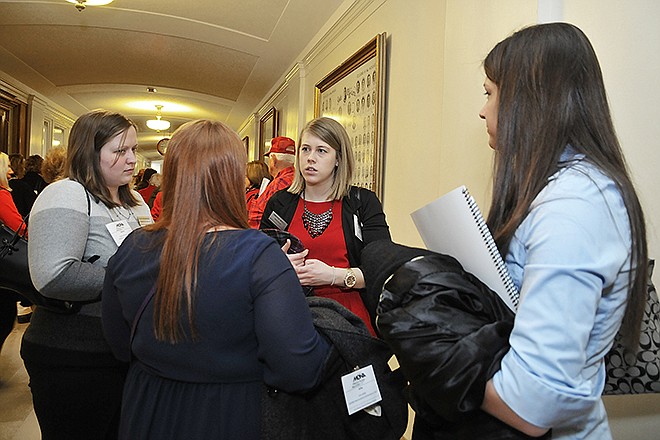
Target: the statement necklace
(316, 224)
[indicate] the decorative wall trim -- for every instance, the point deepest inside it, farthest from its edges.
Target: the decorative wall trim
(344, 23)
(292, 73)
(250, 120)
(347, 22)
(8, 91)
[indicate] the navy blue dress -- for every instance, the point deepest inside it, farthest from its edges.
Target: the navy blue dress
(253, 326)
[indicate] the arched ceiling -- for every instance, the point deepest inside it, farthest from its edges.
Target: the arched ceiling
(206, 58)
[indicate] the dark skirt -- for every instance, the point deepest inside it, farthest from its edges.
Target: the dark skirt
(155, 407)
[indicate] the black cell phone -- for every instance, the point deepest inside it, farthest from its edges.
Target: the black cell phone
(281, 237)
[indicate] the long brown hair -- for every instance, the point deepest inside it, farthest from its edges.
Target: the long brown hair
(203, 186)
(256, 171)
(89, 134)
(551, 94)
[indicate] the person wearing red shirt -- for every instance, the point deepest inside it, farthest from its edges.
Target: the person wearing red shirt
(9, 215)
(281, 156)
(12, 219)
(158, 206)
(256, 172)
(152, 184)
(333, 219)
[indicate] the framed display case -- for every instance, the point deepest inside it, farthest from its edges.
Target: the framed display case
(353, 95)
(246, 142)
(268, 129)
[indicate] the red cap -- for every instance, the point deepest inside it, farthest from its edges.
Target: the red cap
(282, 145)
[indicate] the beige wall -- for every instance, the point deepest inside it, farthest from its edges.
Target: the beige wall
(433, 90)
(626, 38)
(434, 139)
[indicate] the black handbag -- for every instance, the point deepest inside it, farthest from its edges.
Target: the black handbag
(15, 272)
(637, 373)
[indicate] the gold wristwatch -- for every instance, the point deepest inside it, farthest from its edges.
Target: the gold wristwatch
(349, 279)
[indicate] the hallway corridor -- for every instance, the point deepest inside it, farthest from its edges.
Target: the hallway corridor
(631, 418)
(17, 419)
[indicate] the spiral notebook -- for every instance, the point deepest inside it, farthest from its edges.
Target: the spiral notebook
(453, 225)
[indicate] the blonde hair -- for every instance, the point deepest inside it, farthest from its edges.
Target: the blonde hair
(52, 168)
(156, 179)
(334, 134)
(4, 169)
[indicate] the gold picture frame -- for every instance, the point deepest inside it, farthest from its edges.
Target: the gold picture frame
(246, 142)
(353, 94)
(268, 129)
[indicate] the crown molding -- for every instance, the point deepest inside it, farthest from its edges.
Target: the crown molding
(344, 24)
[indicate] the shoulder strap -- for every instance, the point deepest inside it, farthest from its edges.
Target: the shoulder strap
(356, 190)
(89, 203)
(138, 315)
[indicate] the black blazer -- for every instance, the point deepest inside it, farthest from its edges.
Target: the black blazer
(360, 203)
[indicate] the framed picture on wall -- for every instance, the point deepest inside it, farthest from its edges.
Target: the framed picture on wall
(246, 142)
(268, 129)
(353, 95)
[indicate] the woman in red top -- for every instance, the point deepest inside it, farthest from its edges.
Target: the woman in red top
(256, 172)
(153, 182)
(333, 219)
(12, 219)
(8, 213)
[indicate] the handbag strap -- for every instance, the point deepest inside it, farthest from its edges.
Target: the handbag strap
(138, 315)
(9, 245)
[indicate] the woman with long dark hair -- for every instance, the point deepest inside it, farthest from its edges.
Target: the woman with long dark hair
(565, 215)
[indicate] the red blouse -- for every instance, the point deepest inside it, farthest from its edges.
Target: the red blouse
(8, 213)
(146, 193)
(158, 206)
(330, 247)
(251, 197)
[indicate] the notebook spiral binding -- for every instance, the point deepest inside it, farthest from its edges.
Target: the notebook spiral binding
(511, 290)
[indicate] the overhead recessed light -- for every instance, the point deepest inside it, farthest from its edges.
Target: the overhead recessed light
(81, 4)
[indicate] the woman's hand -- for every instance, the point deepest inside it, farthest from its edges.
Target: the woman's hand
(316, 273)
(496, 407)
(297, 259)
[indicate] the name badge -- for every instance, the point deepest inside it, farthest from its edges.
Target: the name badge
(119, 230)
(361, 391)
(277, 221)
(358, 227)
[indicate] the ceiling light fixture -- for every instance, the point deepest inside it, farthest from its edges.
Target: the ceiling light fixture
(82, 4)
(158, 124)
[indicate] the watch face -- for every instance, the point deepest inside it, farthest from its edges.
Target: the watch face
(350, 279)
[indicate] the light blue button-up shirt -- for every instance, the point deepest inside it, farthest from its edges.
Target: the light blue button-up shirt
(569, 259)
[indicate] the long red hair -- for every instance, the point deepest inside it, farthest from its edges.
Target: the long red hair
(203, 186)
